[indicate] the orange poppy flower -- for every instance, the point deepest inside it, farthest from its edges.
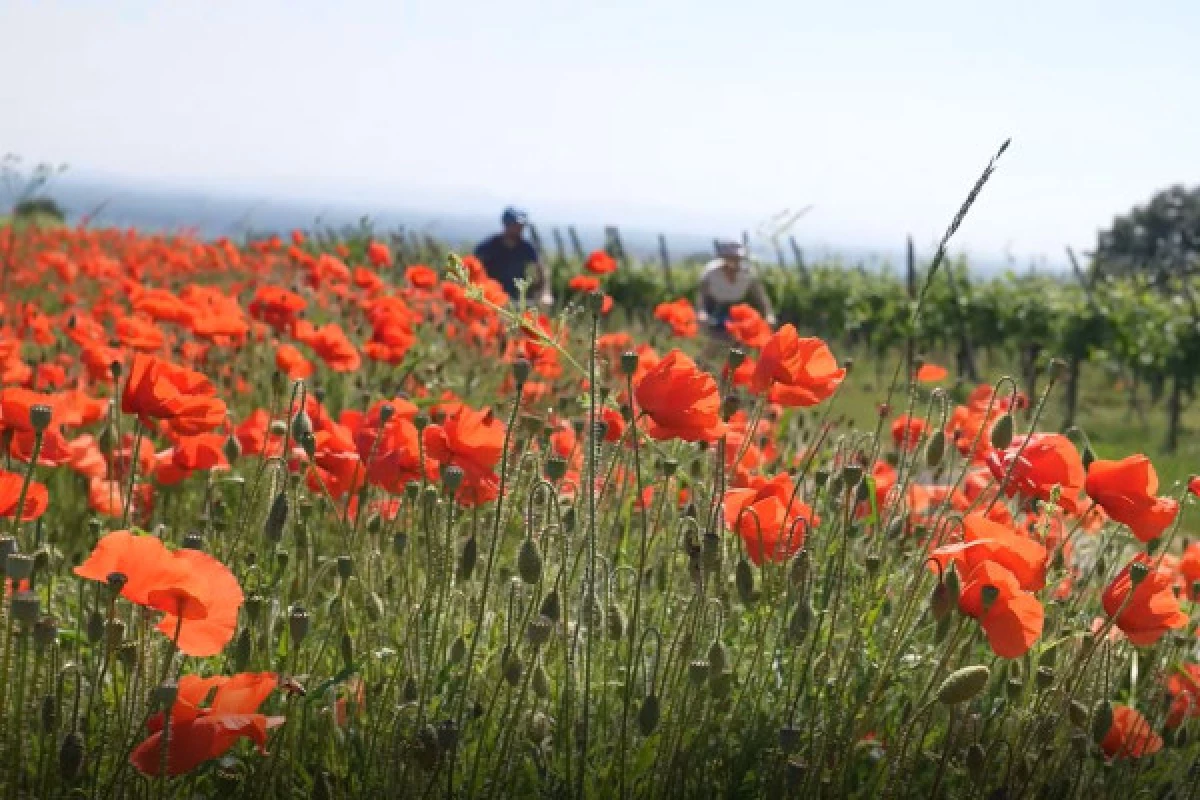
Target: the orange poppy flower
(1013, 621)
(187, 583)
(157, 389)
(600, 263)
(1130, 735)
(1126, 490)
(1045, 460)
(1183, 687)
(202, 451)
(277, 307)
(1194, 485)
(747, 326)
(470, 439)
(331, 344)
(679, 401)
(798, 371)
(37, 498)
(394, 453)
(201, 734)
(760, 516)
(614, 424)
(1151, 611)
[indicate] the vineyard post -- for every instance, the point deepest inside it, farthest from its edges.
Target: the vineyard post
(576, 247)
(614, 245)
(560, 251)
(535, 238)
(665, 258)
(799, 256)
(910, 351)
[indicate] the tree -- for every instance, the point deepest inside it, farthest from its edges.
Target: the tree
(1161, 237)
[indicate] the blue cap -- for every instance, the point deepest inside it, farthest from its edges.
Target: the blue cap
(512, 215)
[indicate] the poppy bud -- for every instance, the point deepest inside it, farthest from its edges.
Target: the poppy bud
(789, 738)
(555, 468)
(976, 762)
(1138, 571)
(49, 714)
(298, 624)
(720, 683)
(301, 425)
(539, 630)
(520, 370)
(529, 562)
(95, 627)
(399, 543)
(458, 650)
(935, 448)
(718, 656)
(550, 606)
(963, 684)
(308, 443)
(114, 633)
(193, 540)
(730, 406)
(736, 358)
(254, 606)
(8, 546)
(711, 546)
(595, 302)
(163, 697)
(873, 562)
(698, 671)
(800, 622)
(45, 633)
(40, 416)
(409, 691)
(615, 622)
(1002, 432)
(386, 412)
(512, 667)
(282, 557)
(232, 449)
(648, 715)
(467, 559)
(743, 576)
(1013, 688)
(540, 681)
(420, 422)
(347, 648)
(1102, 720)
(1045, 677)
(798, 574)
(71, 756)
(939, 601)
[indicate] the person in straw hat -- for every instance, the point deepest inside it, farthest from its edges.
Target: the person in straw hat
(727, 280)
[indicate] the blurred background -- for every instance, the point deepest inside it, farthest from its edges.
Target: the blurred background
(692, 119)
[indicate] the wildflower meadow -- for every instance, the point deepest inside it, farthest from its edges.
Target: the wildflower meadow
(297, 517)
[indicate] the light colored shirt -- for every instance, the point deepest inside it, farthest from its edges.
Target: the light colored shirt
(722, 290)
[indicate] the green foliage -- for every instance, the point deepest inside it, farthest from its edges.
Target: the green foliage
(1163, 235)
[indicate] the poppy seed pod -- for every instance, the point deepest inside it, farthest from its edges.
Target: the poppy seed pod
(595, 302)
(512, 667)
(539, 630)
(298, 624)
(45, 633)
(458, 650)
(409, 691)
(347, 648)
(49, 714)
(800, 623)
(452, 478)
(520, 370)
(308, 443)
(988, 596)
(698, 671)
(730, 406)
(555, 468)
(1138, 571)
(718, 656)
(345, 567)
(399, 543)
(301, 425)
(851, 475)
(1044, 677)
(976, 761)
(18, 567)
(743, 576)
(243, 647)
(1102, 720)
(164, 696)
(963, 684)
(25, 608)
(386, 412)
(193, 540)
(540, 681)
(615, 622)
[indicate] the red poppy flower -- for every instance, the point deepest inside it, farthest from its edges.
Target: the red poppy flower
(797, 371)
(1126, 490)
(747, 326)
(185, 399)
(1013, 621)
(420, 276)
(680, 401)
(182, 583)
(1045, 461)
(1151, 611)
(760, 516)
(585, 284)
(379, 255)
(470, 439)
(291, 362)
(37, 498)
(1130, 735)
(907, 431)
(987, 540)
(600, 263)
(200, 734)
(330, 343)
(931, 373)
(680, 315)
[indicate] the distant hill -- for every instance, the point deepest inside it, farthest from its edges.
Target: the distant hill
(215, 213)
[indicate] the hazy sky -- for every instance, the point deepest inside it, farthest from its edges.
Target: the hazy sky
(648, 113)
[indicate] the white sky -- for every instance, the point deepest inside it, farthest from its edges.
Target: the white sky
(648, 113)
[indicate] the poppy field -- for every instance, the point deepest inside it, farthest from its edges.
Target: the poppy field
(296, 517)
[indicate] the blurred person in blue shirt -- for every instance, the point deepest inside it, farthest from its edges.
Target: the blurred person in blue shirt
(508, 257)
